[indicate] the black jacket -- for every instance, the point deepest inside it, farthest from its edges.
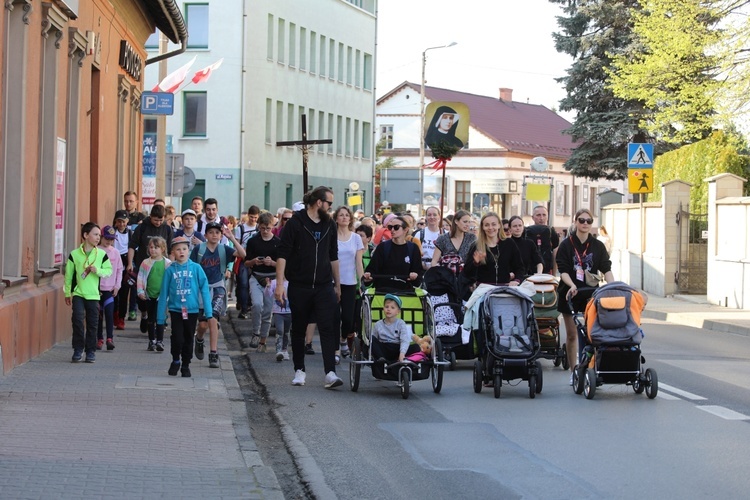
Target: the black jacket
(141, 236)
(508, 260)
(308, 248)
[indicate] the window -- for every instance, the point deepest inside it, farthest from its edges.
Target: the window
(349, 66)
(311, 124)
(566, 200)
(269, 120)
(366, 140)
(153, 41)
(348, 135)
(463, 195)
(279, 121)
(331, 57)
(356, 138)
(313, 51)
(196, 15)
(149, 125)
(290, 122)
(321, 129)
(593, 200)
(322, 70)
(289, 198)
(302, 48)
(269, 38)
(576, 197)
(357, 69)
(194, 114)
(281, 50)
(330, 132)
(386, 135)
(292, 44)
(341, 63)
(267, 196)
(339, 134)
(368, 72)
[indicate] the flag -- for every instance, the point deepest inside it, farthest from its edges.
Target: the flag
(173, 80)
(203, 74)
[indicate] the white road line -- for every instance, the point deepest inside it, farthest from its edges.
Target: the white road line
(663, 395)
(722, 412)
(680, 392)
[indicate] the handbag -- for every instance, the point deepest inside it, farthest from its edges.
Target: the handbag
(591, 279)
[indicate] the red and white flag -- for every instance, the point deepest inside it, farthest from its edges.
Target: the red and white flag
(173, 80)
(203, 74)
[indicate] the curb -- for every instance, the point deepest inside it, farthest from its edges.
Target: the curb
(695, 321)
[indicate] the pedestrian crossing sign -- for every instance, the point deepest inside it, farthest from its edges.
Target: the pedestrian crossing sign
(640, 181)
(640, 155)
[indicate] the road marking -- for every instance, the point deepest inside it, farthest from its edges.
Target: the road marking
(724, 413)
(680, 392)
(668, 397)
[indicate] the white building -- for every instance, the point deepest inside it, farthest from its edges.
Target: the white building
(282, 59)
(493, 171)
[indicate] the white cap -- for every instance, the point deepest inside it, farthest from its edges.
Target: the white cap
(189, 211)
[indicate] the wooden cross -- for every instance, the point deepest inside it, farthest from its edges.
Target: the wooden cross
(305, 148)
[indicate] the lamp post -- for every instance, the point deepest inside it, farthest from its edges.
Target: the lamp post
(421, 126)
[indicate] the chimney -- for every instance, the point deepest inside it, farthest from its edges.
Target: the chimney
(506, 94)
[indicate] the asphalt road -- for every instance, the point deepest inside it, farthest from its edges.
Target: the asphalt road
(689, 442)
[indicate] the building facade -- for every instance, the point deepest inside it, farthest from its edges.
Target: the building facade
(282, 59)
(72, 76)
(493, 171)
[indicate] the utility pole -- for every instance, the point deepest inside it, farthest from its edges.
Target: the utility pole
(161, 127)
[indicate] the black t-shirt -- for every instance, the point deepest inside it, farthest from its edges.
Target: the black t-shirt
(258, 247)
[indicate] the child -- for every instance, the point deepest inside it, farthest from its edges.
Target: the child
(150, 276)
(85, 266)
(214, 257)
(282, 317)
(109, 287)
(181, 288)
(125, 299)
(391, 336)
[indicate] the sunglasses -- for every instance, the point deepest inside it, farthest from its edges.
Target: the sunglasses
(394, 228)
(506, 229)
(581, 220)
(285, 218)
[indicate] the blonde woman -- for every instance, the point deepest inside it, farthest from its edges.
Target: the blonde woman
(493, 259)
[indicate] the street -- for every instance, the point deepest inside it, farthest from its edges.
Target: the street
(689, 442)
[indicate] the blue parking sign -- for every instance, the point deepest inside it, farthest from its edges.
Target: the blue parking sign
(157, 103)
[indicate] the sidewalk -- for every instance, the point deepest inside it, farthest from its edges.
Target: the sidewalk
(123, 428)
(695, 311)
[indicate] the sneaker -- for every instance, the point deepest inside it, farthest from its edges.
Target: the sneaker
(286, 355)
(337, 359)
(131, 316)
(77, 355)
(332, 380)
(174, 368)
(571, 379)
(199, 344)
(261, 348)
(186, 372)
(309, 349)
(110, 344)
(242, 315)
(254, 341)
(299, 378)
(151, 345)
(120, 324)
(90, 357)
(344, 347)
(279, 356)
(160, 346)
(213, 360)
(99, 344)
(144, 324)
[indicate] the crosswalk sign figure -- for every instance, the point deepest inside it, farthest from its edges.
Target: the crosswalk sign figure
(644, 182)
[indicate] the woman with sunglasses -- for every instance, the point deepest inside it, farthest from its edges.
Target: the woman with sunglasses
(282, 215)
(578, 253)
(532, 261)
(493, 258)
(351, 249)
(455, 243)
(395, 257)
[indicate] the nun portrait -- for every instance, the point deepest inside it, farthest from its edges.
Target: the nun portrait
(443, 127)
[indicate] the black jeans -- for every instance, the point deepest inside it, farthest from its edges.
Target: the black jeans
(155, 332)
(106, 314)
(390, 351)
(85, 323)
(182, 336)
(320, 301)
(346, 311)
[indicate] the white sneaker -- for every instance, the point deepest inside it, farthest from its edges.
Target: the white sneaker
(299, 378)
(571, 379)
(286, 355)
(332, 380)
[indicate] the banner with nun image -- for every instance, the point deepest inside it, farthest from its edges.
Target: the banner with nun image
(446, 123)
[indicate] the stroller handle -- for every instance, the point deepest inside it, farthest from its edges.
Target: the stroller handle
(570, 300)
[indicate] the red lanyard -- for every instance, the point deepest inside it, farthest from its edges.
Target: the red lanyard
(579, 256)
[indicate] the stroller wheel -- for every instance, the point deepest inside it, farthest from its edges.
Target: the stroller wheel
(532, 386)
(498, 384)
(652, 383)
(577, 380)
(539, 377)
(589, 384)
(478, 376)
(405, 379)
(557, 361)
(453, 361)
(564, 356)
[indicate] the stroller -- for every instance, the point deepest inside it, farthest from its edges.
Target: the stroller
(612, 338)
(546, 314)
(508, 340)
(416, 311)
(443, 286)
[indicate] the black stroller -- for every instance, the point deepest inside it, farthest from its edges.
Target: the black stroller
(445, 295)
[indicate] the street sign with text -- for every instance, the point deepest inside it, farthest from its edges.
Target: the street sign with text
(157, 103)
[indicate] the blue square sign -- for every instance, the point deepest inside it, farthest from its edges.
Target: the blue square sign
(157, 103)
(640, 155)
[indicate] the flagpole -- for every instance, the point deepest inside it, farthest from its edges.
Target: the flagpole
(161, 128)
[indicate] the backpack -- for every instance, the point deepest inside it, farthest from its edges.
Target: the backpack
(613, 314)
(222, 256)
(542, 238)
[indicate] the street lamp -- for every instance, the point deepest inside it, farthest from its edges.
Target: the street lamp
(421, 126)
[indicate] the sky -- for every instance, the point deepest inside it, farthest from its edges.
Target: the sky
(499, 43)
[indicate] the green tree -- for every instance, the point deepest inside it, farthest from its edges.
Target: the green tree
(719, 153)
(592, 32)
(674, 71)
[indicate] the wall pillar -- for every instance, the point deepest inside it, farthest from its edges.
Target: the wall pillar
(673, 194)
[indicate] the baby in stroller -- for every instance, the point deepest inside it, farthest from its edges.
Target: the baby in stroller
(392, 337)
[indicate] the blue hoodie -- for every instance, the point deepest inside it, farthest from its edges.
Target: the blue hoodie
(183, 280)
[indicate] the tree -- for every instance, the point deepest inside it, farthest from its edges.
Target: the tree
(592, 32)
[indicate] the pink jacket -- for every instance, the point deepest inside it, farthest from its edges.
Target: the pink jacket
(114, 280)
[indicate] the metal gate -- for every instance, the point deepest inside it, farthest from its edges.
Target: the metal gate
(691, 276)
